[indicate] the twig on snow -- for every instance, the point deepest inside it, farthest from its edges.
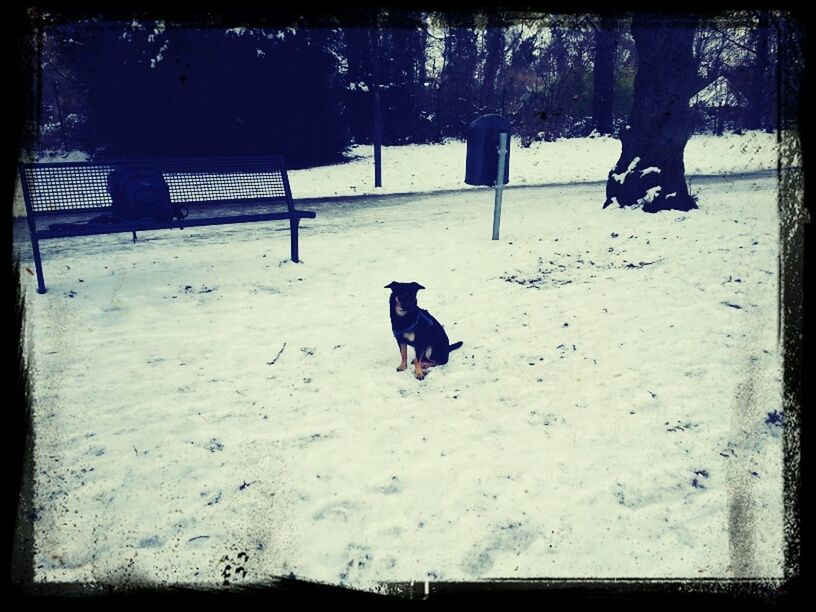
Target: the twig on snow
(276, 356)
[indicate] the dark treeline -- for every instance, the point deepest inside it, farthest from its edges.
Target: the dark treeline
(152, 88)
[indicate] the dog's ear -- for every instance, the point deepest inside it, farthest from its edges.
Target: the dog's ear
(416, 286)
(391, 285)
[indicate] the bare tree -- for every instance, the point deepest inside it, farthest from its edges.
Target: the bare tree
(758, 107)
(606, 42)
(494, 52)
(650, 171)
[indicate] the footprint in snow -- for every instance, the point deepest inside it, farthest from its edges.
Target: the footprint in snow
(544, 419)
(153, 541)
(335, 511)
(394, 486)
(233, 569)
(358, 563)
(503, 539)
(214, 445)
(214, 499)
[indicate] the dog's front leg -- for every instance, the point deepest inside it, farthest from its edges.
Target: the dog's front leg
(418, 371)
(403, 357)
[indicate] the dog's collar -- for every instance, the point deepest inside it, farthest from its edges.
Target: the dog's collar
(399, 332)
(412, 325)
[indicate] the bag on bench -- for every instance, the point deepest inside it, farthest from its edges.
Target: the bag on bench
(142, 193)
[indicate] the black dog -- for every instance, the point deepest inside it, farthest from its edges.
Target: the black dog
(415, 326)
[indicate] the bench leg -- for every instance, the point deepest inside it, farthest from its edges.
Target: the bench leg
(35, 244)
(293, 224)
(134, 236)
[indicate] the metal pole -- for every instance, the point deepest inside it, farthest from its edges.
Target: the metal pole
(377, 133)
(499, 185)
(377, 138)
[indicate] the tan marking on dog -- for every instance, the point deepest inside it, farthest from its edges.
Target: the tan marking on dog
(418, 370)
(409, 336)
(403, 358)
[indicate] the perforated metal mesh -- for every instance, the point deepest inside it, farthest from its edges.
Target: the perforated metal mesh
(69, 187)
(76, 186)
(197, 187)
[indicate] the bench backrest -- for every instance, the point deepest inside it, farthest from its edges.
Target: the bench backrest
(83, 186)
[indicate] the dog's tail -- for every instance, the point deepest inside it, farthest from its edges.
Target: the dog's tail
(455, 346)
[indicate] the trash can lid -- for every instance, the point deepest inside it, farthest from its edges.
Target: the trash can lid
(491, 122)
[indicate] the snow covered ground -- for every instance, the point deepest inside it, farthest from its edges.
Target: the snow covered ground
(202, 402)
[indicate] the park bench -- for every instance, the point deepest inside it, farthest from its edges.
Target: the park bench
(70, 198)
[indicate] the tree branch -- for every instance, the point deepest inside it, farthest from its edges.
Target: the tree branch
(62, 74)
(732, 41)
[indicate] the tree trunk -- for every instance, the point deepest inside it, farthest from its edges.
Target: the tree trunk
(376, 130)
(758, 103)
(402, 55)
(789, 72)
(458, 89)
(359, 56)
(422, 74)
(494, 43)
(606, 42)
(650, 171)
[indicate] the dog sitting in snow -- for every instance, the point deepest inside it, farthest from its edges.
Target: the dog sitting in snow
(415, 326)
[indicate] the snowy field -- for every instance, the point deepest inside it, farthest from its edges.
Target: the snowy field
(202, 402)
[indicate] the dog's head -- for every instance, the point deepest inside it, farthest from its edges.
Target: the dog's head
(403, 298)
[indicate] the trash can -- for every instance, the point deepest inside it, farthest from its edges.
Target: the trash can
(481, 165)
